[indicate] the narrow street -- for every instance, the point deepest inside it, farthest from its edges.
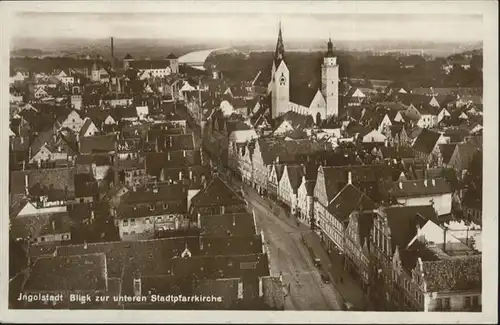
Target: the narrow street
(289, 256)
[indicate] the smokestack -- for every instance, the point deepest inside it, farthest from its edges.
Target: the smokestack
(112, 55)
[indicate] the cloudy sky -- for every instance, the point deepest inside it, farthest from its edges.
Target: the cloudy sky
(255, 26)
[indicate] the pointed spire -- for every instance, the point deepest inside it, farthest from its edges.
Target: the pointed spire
(280, 47)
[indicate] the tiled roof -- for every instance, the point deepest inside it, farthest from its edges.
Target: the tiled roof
(163, 192)
(310, 184)
(426, 141)
(60, 178)
(420, 187)
(178, 141)
(156, 161)
(85, 186)
(296, 120)
(149, 64)
(463, 155)
(336, 177)
(454, 274)
(348, 200)
(86, 125)
(18, 143)
(447, 150)
(234, 224)
(40, 224)
(302, 95)
(295, 173)
(473, 199)
(394, 153)
(68, 273)
(403, 221)
(217, 193)
(97, 144)
(150, 257)
(287, 151)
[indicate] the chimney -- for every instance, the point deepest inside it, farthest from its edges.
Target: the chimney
(425, 182)
(401, 185)
(444, 239)
(180, 175)
(349, 177)
(190, 174)
(234, 220)
(433, 182)
(85, 246)
(26, 184)
(199, 220)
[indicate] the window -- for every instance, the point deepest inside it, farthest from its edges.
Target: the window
(439, 304)
(467, 302)
(42, 239)
(475, 301)
(165, 206)
(152, 207)
(125, 233)
(132, 222)
(132, 233)
(446, 303)
(125, 223)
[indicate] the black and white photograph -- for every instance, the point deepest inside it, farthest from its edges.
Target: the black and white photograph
(233, 156)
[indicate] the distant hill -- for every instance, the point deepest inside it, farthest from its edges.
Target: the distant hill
(27, 52)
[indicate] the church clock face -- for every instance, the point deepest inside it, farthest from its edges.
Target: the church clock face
(282, 79)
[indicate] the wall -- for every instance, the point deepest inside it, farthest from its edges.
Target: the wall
(442, 202)
(50, 238)
(145, 227)
(457, 300)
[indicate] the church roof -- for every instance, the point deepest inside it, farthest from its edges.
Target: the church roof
(302, 95)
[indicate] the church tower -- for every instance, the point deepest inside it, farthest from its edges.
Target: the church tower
(330, 81)
(279, 85)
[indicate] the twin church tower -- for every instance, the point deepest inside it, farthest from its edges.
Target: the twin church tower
(279, 86)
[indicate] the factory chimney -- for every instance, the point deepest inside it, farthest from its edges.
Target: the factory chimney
(112, 55)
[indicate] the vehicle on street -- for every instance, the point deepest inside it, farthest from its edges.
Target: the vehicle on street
(325, 277)
(348, 306)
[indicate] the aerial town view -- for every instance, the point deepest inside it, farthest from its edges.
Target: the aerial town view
(283, 173)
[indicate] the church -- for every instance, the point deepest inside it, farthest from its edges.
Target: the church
(318, 103)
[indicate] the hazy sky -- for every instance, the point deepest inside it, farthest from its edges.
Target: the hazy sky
(258, 26)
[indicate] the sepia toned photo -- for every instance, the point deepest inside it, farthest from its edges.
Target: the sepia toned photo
(246, 161)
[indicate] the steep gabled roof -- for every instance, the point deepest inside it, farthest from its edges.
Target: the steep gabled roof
(447, 150)
(348, 200)
(295, 173)
(302, 95)
(403, 221)
(217, 193)
(426, 141)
